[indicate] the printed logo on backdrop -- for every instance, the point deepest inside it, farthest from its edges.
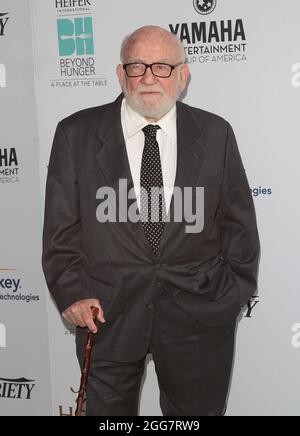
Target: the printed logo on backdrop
(205, 7)
(67, 6)
(70, 410)
(12, 289)
(75, 37)
(262, 191)
(251, 305)
(76, 48)
(2, 76)
(70, 330)
(9, 165)
(2, 336)
(211, 41)
(4, 17)
(16, 389)
(296, 75)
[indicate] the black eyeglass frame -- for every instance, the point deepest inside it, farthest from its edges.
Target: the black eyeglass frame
(172, 67)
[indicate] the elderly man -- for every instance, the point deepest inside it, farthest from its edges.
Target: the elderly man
(160, 288)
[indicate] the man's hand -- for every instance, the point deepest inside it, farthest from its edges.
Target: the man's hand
(80, 314)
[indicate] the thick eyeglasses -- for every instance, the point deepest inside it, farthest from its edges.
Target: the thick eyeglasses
(136, 69)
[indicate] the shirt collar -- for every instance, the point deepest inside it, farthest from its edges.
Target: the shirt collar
(134, 122)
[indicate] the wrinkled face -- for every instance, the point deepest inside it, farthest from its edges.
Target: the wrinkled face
(151, 96)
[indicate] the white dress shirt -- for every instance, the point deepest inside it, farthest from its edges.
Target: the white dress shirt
(132, 124)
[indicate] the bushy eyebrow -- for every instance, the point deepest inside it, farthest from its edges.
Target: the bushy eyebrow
(139, 61)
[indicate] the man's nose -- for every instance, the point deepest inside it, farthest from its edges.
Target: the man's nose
(148, 78)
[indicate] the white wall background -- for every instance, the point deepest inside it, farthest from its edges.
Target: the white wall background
(26, 351)
(259, 96)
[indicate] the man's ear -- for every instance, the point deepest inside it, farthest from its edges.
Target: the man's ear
(120, 74)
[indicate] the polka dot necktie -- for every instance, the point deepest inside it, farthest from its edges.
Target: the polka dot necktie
(153, 208)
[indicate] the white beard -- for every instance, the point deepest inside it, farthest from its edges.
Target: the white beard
(156, 112)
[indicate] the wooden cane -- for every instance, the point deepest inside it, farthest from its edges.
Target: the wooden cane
(86, 365)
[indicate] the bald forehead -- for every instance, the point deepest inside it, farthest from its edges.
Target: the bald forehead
(151, 41)
(154, 34)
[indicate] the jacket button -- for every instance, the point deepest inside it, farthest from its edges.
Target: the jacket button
(158, 266)
(150, 306)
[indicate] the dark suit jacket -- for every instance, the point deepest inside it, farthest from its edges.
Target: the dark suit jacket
(209, 274)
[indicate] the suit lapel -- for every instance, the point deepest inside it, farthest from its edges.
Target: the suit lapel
(112, 155)
(190, 148)
(113, 162)
(190, 157)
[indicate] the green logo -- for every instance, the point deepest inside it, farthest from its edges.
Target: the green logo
(75, 36)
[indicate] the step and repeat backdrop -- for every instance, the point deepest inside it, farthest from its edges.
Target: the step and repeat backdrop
(25, 382)
(60, 56)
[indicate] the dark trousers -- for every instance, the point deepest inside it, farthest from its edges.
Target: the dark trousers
(192, 362)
